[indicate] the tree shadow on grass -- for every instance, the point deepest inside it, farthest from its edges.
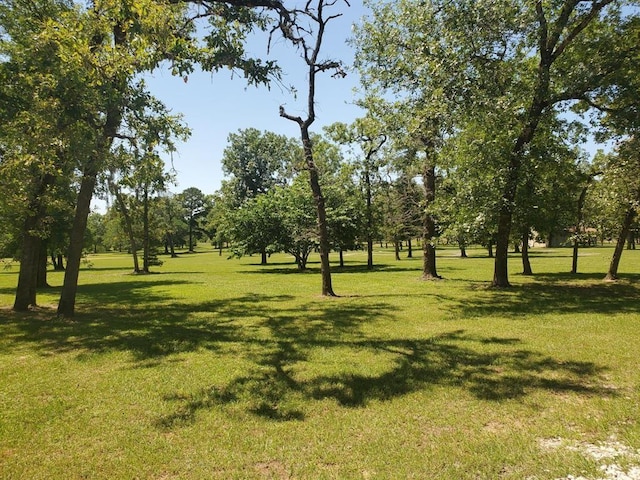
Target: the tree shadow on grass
(490, 368)
(335, 269)
(136, 321)
(541, 297)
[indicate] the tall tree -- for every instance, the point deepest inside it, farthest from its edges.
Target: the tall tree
(41, 129)
(623, 179)
(256, 162)
(195, 206)
(309, 38)
(368, 135)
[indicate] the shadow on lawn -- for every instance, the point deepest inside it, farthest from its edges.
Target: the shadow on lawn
(290, 268)
(281, 342)
(563, 295)
(491, 368)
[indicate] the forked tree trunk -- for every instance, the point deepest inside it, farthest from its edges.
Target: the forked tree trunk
(612, 274)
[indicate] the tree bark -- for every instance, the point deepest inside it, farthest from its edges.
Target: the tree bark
(369, 215)
(66, 305)
(579, 224)
(128, 226)
(263, 254)
(26, 290)
(429, 271)
(325, 267)
(28, 275)
(526, 264)
(42, 266)
(409, 249)
(463, 250)
(612, 274)
(341, 254)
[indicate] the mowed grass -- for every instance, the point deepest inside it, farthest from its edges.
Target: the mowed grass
(216, 368)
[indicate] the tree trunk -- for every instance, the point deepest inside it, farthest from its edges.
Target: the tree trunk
(396, 247)
(263, 254)
(409, 249)
(612, 274)
(128, 226)
(28, 275)
(325, 267)
(631, 244)
(32, 245)
(429, 271)
(104, 139)
(526, 264)
(42, 266)
(146, 241)
(66, 305)
(463, 250)
(490, 248)
(579, 223)
(574, 256)
(341, 254)
(369, 215)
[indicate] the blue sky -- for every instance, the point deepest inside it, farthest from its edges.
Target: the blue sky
(215, 105)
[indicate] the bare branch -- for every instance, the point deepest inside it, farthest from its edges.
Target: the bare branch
(293, 118)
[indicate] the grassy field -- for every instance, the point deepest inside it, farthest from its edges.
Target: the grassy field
(225, 369)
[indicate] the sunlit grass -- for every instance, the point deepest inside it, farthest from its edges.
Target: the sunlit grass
(216, 368)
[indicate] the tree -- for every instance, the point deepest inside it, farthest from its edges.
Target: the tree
(257, 227)
(256, 162)
(41, 130)
(368, 135)
(169, 211)
(623, 176)
(136, 167)
(309, 40)
(195, 207)
(96, 230)
(298, 214)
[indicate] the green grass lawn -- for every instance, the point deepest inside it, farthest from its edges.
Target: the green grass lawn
(216, 368)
